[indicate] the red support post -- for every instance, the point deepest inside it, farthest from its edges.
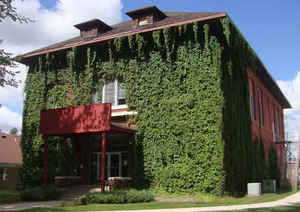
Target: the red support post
(103, 161)
(129, 159)
(45, 162)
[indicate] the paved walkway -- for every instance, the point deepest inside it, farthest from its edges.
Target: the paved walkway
(290, 200)
(26, 205)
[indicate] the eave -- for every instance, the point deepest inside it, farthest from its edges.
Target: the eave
(117, 35)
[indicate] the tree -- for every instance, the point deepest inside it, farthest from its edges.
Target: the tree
(13, 131)
(7, 77)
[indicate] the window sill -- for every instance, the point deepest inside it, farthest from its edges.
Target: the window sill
(123, 113)
(115, 107)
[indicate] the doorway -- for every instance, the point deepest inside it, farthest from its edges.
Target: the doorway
(114, 163)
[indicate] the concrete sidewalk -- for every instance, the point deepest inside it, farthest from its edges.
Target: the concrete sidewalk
(290, 200)
(27, 205)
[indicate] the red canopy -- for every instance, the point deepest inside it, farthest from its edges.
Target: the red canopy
(72, 120)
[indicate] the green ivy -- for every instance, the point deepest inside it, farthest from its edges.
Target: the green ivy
(189, 87)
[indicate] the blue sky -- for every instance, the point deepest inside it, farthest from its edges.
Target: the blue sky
(272, 28)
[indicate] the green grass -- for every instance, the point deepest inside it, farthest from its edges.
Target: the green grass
(9, 196)
(168, 205)
(294, 208)
(225, 200)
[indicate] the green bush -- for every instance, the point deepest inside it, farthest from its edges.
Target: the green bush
(9, 196)
(38, 194)
(118, 196)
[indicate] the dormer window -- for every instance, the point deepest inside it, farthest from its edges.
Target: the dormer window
(144, 22)
(146, 15)
(92, 28)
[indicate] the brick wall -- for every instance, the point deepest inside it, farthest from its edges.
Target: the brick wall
(270, 107)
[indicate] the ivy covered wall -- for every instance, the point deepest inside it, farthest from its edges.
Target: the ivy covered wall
(189, 87)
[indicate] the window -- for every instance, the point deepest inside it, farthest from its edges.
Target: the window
(252, 105)
(273, 131)
(3, 174)
(277, 122)
(114, 93)
(95, 97)
(260, 108)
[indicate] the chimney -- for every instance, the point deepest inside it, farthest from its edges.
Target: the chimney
(92, 28)
(147, 15)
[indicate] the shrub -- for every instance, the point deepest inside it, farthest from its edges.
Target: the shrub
(119, 196)
(9, 196)
(38, 194)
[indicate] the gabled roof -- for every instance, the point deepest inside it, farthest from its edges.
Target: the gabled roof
(10, 150)
(129, 28)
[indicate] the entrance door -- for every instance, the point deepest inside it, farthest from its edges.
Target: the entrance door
(113, 164)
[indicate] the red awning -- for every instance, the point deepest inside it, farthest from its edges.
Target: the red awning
(81, 119)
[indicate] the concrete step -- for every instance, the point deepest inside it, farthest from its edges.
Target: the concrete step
(76, 192)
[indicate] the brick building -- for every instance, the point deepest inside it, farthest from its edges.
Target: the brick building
(50, 63)
(10, 161)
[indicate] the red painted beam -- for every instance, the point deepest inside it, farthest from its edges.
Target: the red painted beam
(45, 162)
(103, 161)
(130, 158)
(120, 129)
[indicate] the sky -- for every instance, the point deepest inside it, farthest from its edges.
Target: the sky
(272, 29)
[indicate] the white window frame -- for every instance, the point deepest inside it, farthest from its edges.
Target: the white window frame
(115, 106)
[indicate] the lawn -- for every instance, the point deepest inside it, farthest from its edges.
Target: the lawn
(9, 196)
(169, 205)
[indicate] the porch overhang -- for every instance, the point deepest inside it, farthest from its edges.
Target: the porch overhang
(82, 119)
(95, 118)
(74, 120)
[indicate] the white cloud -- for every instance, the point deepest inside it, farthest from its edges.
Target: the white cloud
(292, 126)
(53, 26)
(11, 96)
(291, 90)
(9, 119)
(50, 26)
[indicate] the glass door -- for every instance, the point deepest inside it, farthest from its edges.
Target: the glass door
(114, 168)
(113, 164)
